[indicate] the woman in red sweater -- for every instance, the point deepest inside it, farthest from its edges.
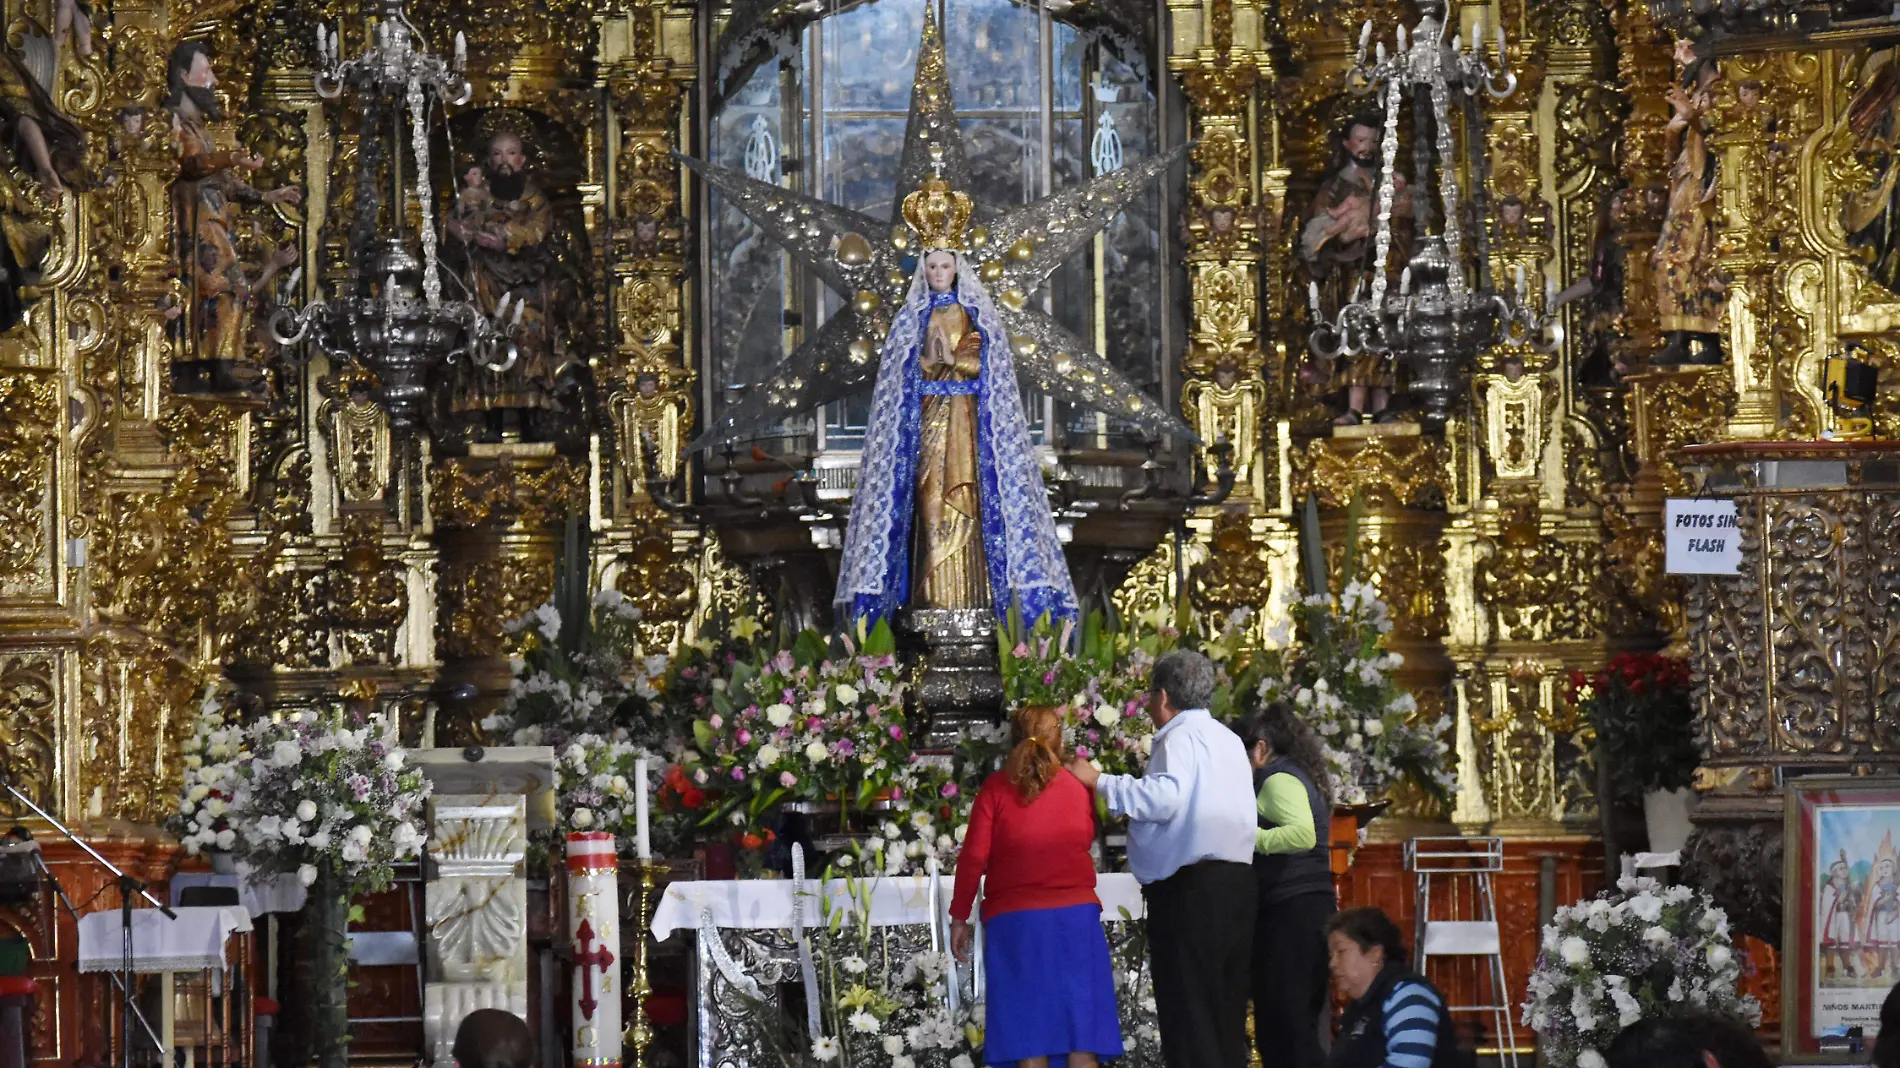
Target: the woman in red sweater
(1051, 993)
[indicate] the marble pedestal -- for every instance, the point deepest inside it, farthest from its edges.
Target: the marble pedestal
(476, 899)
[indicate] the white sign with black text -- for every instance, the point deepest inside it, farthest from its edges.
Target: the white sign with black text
(1700, 537)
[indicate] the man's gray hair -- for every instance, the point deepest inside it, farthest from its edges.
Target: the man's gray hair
(1186, 677)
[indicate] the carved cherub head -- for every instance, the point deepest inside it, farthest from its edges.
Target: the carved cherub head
(1511, 212)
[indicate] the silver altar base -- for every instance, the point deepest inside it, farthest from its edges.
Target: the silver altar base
(956, 677)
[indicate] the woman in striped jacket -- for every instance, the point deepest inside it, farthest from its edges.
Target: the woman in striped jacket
(1396, 1018)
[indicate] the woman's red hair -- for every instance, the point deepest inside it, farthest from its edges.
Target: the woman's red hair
(1036, 758)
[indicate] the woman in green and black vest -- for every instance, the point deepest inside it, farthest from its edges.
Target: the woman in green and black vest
(1294, 882)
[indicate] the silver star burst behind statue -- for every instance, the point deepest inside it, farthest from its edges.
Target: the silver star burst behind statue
(863, 259)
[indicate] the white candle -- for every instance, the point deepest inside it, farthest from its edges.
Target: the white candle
(322, 48)
(295, 277)
(461, 49)
(1381, 51)
(1457, 43)
(1402, 48)
(1365, 37)
(1477, 33)
(1405, 282)
(1500, 41)
(1312, 297)
(1520, 281)
(641, 848)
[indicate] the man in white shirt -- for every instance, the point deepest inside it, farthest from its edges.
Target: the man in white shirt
(1191, 824)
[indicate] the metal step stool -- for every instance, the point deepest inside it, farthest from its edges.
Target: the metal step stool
(1466, 925)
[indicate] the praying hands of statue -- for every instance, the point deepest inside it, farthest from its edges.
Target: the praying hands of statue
(937, 351)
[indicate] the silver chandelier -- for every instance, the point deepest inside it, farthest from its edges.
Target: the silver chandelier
(1438, 321)
(392, 316)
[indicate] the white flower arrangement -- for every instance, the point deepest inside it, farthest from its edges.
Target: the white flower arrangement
(597, 690)
(1338, 679)
(212, 756)
(596, 788)
(927, 821)
(326, 789)
(1643, 951)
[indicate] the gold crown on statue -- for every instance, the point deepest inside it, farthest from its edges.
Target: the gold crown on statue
(937, 214)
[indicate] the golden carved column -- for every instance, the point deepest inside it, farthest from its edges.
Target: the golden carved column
(498, 525)
(1645, 72)
(650, 378)
(1219, 53)
(1236, 195)
(1764, 102)
(1400, 482)
(1524, 550)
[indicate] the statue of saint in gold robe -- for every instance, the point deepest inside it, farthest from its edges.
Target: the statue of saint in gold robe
(949, 550)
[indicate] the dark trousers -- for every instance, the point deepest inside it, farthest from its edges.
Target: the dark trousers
(1200, 935)
(1290, 979)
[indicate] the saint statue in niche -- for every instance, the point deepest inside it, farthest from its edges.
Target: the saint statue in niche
(1689, 285)
(1869, 214)
(45, 144)
(1337, 249)
(220, 357)
(950, 511)
(502, 240)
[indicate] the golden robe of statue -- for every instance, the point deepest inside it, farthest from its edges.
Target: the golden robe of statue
(949, 557)
(1688, 286)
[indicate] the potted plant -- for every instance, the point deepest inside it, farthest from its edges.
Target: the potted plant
(1645, 738)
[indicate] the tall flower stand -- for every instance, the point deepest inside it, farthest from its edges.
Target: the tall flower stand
(327, 921)
(593, 926)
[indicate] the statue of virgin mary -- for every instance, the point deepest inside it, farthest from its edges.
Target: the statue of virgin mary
(950, 511)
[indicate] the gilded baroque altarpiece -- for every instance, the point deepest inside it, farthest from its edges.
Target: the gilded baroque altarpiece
(154, 543)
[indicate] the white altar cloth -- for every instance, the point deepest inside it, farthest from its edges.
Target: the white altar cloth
(766, 904)
(195, 941)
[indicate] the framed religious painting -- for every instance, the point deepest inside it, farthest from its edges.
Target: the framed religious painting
(1840, 912)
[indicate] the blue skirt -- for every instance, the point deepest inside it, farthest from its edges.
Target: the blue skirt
(1049, 990)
